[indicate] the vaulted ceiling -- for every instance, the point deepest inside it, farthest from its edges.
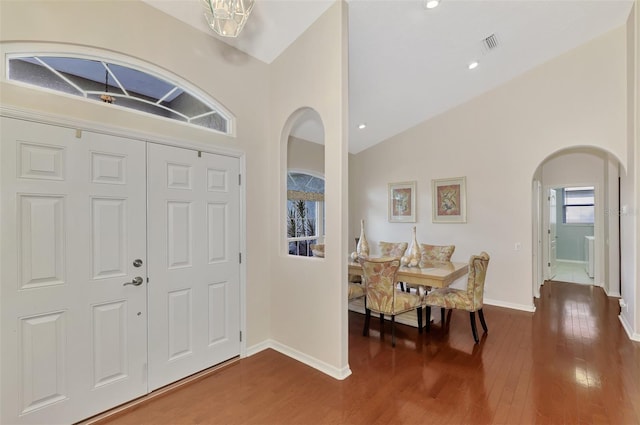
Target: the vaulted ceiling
(408, 63)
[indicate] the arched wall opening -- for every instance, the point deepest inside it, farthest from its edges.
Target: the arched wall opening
(578, 166)
(302, 177)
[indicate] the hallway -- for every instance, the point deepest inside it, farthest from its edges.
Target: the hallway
(573, 272)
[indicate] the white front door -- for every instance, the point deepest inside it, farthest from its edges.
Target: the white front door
(194, 271)
(74, 336)
(553, 235)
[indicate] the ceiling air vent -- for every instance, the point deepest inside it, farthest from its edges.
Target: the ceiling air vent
(490, 43)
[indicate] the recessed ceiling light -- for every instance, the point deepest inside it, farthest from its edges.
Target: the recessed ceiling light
(361, 126)
(431, 4)
(473, 65)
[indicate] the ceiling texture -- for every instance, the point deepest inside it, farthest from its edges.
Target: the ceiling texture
(408, 63)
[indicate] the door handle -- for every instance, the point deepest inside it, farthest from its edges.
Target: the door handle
(137, 281)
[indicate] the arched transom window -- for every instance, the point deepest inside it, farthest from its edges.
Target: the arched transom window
(122, 85)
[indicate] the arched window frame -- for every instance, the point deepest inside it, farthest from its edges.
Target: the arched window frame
(26, 50)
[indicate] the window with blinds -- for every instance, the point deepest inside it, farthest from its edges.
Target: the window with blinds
(578, 205)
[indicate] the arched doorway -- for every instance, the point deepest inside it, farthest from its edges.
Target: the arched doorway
(582, 244)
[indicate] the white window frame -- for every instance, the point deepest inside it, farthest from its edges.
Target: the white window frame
(17, 50)
(319, 216)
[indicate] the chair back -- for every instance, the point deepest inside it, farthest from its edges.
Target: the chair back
(379, 276)
(436, 252)
(317, 250)
(392, 249)
(475, 283)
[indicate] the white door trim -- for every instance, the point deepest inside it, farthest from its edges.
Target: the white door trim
(80, 125)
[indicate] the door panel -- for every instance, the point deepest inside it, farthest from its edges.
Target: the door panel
(193, 262)
(73, 220)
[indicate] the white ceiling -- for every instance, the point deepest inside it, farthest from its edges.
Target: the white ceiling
(408, 64)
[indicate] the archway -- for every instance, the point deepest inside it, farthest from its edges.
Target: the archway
(583, 167)
(303, 146)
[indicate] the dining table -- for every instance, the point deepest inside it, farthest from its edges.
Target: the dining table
(431, 274)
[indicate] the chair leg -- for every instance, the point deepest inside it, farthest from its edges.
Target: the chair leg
(367, 316)
(472, 316)
(482, 322)
(442, 321)
(419, 310)
(393, 331)
(381, 323)
(402, 286)
(428, 318)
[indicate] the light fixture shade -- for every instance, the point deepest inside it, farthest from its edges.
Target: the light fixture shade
(227, 17)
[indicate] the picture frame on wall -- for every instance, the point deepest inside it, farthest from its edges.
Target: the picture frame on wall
(402, 202)
(449, 200)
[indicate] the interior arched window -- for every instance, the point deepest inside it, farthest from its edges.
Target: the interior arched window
(305, 212)
(119, 84)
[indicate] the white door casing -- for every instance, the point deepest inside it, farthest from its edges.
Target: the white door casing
(552, 234)
(73, 211)
(194, 270)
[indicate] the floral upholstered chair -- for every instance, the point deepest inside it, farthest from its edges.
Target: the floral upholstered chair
(318, 250)
(436, 252)
(392, 249)
(382, 296)
(356, 290)
(469, 299)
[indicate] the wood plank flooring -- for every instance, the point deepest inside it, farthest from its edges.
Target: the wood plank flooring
(569, 363)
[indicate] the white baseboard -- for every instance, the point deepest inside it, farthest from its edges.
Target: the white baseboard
(634, 336)
(522, 307)
(323, 367)
(613, 294)
(255, 349)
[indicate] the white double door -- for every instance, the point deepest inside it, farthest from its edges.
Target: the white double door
(119, 269)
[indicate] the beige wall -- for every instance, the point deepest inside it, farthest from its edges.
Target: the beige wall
(278, 289)
(497, 141)
(630, 187)
(303, 155)
(308, 295)
(239, 83)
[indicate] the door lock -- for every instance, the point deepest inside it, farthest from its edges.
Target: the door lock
(137, 262)
(137, 281)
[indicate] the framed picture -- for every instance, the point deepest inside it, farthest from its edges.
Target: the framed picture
(402, 202)
(449, 200)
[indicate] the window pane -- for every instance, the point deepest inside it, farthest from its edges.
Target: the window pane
(303, 216)
(579, 214)
(30, 71)
(213, 121)
(578, 196)
(140, 90)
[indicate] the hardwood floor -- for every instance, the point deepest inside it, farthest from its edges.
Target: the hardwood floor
(569, 363)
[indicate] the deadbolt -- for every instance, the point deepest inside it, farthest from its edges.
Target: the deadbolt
(137, 262)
